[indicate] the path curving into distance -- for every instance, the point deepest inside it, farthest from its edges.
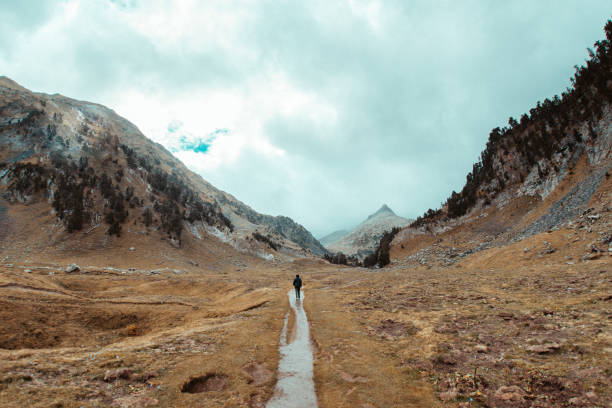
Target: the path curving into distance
(295, 386)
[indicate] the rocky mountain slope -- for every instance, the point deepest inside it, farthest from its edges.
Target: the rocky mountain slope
(532, 155)
(546, 172)
(333, 237)
(363, 239)
(98, 172)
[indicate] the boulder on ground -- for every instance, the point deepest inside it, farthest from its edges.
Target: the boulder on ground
(448, 395)
(544, 348)
(509, 394)
(112, 375)
(72, 268)
(481, 348)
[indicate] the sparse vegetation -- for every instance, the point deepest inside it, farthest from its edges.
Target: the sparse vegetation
(130, 156)
(340, 258)
(429, 214)
(380, 257)
(267, 239)
(147, 216)
(27, 178)
(171, 218)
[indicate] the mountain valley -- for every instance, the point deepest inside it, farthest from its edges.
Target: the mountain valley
(127, 280)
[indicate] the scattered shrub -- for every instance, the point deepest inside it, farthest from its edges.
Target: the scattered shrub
(266, 239)
(342, 259)
(147, 216)
(381, 256)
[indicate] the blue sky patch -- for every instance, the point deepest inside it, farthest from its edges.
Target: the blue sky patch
(196, 145)
(181, 140)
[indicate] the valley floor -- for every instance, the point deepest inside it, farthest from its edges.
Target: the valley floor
(101, 337)
(523, 334)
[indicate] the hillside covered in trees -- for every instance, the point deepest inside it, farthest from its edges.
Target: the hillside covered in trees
(551, 135)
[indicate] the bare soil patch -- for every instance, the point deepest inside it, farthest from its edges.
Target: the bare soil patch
(390, 328)
(205, 383)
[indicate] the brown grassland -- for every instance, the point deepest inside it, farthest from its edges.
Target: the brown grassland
(383, 338)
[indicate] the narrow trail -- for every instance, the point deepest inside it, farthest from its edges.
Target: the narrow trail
(295, 386)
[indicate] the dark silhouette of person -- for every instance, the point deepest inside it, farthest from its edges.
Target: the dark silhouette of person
(297, 284)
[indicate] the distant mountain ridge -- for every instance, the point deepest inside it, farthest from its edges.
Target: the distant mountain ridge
(333, 237)
(384, 210)
(364, 238)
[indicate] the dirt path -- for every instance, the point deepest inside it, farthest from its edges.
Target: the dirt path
(295, 386)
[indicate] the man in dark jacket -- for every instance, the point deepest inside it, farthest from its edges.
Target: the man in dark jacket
(297, 284)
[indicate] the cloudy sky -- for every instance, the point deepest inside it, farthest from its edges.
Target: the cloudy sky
(318, 110)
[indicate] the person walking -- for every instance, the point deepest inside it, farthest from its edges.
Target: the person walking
(297, 284)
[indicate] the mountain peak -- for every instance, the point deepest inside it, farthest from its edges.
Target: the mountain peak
(364, 238)
(385, 208)
(382, 210)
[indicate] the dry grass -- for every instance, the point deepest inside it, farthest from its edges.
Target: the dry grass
(352, 367)
(382, 338)
(400, 338)
(62, 334)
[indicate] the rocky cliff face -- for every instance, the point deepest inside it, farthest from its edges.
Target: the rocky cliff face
(96, 169)
(515, 173)
(281, 227)
(363, 239)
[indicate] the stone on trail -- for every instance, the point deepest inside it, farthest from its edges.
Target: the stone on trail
(72, 268)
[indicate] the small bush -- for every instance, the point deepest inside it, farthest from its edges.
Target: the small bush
(147, 216)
